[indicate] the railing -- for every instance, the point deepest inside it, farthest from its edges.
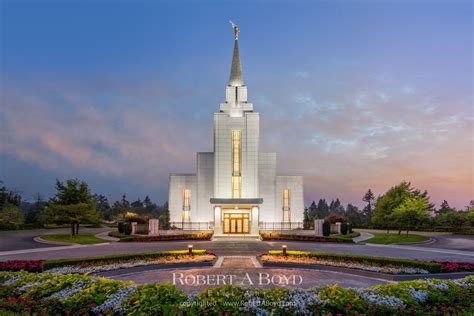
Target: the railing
(280, 225)
(192, 225)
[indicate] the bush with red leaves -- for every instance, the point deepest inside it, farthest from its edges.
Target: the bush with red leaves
(448, 266)
(18, 265)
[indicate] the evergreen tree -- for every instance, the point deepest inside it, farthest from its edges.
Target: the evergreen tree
(103, 207)
(323, 209)
(368, 197)
(444, 207)
(306, 219)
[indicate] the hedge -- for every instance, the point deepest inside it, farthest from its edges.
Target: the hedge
(196, 236)
(432, 267)
(49, 264)
(278, 236)
(50, 294)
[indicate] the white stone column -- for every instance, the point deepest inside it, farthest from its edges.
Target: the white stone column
(217, 220)
(134, 227)
(318, 227)
(338, 226)
(255, 218)
(153, 227)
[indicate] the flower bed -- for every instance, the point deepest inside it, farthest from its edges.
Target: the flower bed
(108, 262)
(44, 293)
(278, 236)
(18, 265)
(377, 264)
(196, 236)
(448, 266)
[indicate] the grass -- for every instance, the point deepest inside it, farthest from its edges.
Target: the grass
(395, 238)
(83, 239)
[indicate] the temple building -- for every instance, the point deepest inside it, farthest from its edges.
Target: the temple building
(235, 190)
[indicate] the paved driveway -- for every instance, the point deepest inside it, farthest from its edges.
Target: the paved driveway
(241, 247)
(23, 239)
(456, 242)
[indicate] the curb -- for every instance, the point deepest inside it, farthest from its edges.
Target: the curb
(370, 274)
(58, 243)
(429, 241)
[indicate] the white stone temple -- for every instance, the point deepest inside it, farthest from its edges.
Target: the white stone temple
(235, 190)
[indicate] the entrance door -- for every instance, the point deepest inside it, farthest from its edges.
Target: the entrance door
(236, 223)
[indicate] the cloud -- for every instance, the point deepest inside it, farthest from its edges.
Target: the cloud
(344, 133)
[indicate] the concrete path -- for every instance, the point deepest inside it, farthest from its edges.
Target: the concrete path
(105, 236)
(363, 236)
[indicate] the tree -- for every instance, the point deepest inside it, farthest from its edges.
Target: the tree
(103, 207)
(306, 220)
(393, 198)
(444, 207)
(33, 216)
(11, 217)
(353, 215)
(411, 213)
(368, 197)
(8, 197)
(336, 207)
(73, 204)
(456, 219)
(165, 217)
(322, 209)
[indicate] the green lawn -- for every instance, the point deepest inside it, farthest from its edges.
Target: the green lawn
(79, 239)
(395, 238)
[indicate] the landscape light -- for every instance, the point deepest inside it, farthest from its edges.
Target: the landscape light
(283, 247)
(190, 249)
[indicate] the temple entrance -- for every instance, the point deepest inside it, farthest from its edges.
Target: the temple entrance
(236, 223)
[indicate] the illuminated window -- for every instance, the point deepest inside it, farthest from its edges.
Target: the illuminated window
(286, 205)
(186, 205)
(236, 164)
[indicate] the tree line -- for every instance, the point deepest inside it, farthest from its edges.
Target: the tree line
(402, 207)
(74, 204)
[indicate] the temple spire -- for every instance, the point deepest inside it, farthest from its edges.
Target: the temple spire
(236, 78)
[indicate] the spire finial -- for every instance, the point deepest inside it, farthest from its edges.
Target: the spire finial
(236, 30)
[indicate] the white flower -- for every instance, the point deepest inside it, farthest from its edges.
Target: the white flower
(114, 302)
(438, 284)
(67, 292)
(374, 298)
(419, 295)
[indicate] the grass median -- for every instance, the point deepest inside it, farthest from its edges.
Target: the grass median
(83, 239)
(395, 238)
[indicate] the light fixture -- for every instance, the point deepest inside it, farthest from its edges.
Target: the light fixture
(283, 247)
(190, 249)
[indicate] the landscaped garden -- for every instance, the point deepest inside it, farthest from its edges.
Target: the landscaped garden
(111, 262)
(46, 294)
(83, 239)
(367, 263)
(395, 238)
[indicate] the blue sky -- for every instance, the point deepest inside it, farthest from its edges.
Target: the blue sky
(353, 94)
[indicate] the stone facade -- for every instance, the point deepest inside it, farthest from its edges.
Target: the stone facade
(235, 188)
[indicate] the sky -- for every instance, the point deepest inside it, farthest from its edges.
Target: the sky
(351, 94)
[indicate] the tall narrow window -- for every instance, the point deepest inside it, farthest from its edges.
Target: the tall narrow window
(236, 164)
(286, 205)
(186, 205)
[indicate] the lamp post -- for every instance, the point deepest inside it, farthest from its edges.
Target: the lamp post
(190, 249)
(283, 247)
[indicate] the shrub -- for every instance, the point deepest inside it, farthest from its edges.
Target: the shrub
(457, 266)
(49, 264)
(30, 294)
(344, 228)
(279, 236)
(433, 267)
(155, 299)
(19, 265)
(121, 227)
(195, 236)
(326, 228)
(335, 218)
(349, 228)
(127, 229)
